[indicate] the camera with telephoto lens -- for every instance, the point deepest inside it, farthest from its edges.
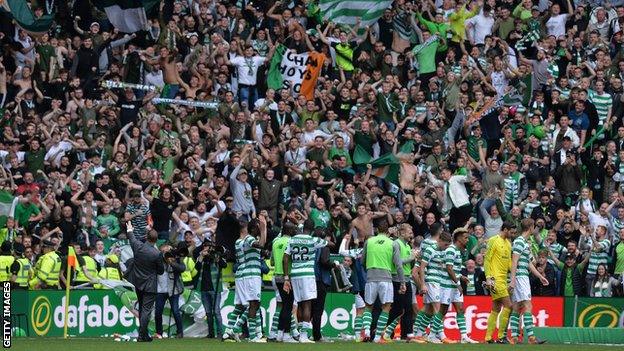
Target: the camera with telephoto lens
(214, 251)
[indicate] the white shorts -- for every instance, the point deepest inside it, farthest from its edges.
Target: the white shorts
(433, 293)
(304, 288)
(522, 291)
(450, 295)
(359, 301)
(247, 289)
(383, 290)
(278, 297)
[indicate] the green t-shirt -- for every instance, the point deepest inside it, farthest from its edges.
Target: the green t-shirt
(340, 152)
(473, 146)
(24, 211)
(386, 105)
(167, 166)
(619, 264)
(472, 242)
(364, 140)
(320, 218)
(426, 58)
(35, 161)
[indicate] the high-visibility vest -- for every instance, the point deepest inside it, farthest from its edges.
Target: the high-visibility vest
(5, 267)
(108, 273)
(49, 269)
(91, 266)
(190, 272)
(24, 272)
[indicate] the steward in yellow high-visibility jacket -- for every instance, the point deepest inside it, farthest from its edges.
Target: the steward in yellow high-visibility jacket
(47, 269)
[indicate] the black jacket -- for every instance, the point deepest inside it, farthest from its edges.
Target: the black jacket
(479, 279)
(541, 212)
(84, 62)
(146, 265)
(537, 289)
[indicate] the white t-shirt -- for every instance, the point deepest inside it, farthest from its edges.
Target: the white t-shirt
(247, 68)
(499, 82)
(481, 27)
(296, 157)
(556, 25)
(272, 106)
(57, 151)
(309, 137)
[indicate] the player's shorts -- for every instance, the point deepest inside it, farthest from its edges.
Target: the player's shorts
(304, 288)
(359, 301)
(278, 297)
(247, 289)
(433, 293)
(383, 290)
(522, 291)
(501, 289)
(450, 295)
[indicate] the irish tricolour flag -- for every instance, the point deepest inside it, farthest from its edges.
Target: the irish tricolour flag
(7, 206)
(295, 72)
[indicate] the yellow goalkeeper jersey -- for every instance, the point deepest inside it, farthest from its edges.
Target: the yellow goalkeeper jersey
(498, 258)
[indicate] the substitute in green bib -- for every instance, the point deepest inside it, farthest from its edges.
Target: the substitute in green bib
(380, 258)
(281, 326)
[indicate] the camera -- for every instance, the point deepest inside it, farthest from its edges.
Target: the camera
(214, 251)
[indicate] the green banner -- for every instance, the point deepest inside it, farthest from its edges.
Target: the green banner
(592, 312)
(95, 313)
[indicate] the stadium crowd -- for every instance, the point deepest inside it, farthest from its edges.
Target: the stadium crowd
(487, 113)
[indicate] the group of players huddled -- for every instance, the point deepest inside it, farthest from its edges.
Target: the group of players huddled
(392, 273)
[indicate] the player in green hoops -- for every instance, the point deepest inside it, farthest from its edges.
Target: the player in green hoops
(451, 291)
(431, 273)
(301, 251)
(248, 279)
(520, 285)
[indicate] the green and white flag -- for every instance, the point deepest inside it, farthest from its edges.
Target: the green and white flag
(349, 11)
(7, 206)
(23, 15)
(128, 16)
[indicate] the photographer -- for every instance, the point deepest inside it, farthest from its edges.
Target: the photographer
(169, 288)
(209, 260)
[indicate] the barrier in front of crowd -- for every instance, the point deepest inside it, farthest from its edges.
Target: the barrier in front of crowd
(94, 313)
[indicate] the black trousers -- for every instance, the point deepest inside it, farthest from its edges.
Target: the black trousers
(287, 304)
(318, 306)
(146, 306)
(458, 216)
(402, 305)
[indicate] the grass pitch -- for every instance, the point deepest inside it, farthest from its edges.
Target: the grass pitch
(200, 344)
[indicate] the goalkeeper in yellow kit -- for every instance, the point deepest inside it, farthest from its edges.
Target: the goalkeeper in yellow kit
(497, 266)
